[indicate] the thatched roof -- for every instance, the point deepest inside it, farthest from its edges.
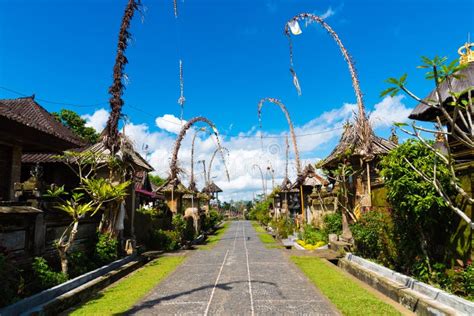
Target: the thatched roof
(285, 185)
(309, 177)
(423, 112)
(173, 186)
(211, 188)
(351, 144)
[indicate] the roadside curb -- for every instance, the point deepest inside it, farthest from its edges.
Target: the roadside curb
(36, 302)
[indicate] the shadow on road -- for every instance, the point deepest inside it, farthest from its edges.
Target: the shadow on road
(224, 286)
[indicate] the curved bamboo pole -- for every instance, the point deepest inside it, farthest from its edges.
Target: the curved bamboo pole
(192, 183)
(287, 152)
(117, 87)
(179, 139)
(290, 124)
(263, 180)
(212, 160)
(363, 127)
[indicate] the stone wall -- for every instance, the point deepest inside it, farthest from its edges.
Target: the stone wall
(27, 232)
(321, 204)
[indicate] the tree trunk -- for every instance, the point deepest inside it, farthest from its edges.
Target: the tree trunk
(64, 261)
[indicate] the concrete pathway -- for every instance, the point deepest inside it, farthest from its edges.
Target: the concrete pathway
(239, 276)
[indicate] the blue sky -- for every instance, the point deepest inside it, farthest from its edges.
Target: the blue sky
(234, 53)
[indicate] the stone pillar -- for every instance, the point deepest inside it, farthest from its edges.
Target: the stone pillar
(40, 234)
(15, 175)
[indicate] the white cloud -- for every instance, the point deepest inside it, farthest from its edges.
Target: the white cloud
(97, 120)
(329, 12)
(169, 123)
(315, 140)
(388, 111)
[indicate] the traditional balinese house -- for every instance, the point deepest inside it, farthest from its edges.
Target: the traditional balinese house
(290, 199)
(55, 171)
(174, 192)
(360, 165)
(144, 189)
(306, 182)
(213, 190)
(26, 127)
(463, 155)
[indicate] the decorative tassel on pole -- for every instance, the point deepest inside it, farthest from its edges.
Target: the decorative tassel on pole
(175, 8)
(181, 99)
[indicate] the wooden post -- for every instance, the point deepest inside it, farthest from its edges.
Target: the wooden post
(303, 217)
(369, 189)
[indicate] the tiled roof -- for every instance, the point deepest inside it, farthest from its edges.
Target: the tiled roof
(27, 112)
(98, 148)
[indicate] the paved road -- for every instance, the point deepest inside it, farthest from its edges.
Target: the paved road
(239, 276)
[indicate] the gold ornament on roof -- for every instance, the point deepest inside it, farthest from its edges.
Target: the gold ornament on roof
(466, 54)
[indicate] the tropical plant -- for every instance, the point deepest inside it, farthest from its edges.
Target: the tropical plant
(421, 217)
(45, 275)
(77, 124)
(260, 212)
(12, 281)
(332, 224)
(167, 240)
(283, 227)
(92, 195)
(375, 238)
(311, 235)
(77, 209)
(156, 180)
(457, 112)
(106, 249)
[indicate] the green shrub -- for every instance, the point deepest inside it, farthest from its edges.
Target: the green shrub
(374, 237)
(159, 210)
(11, 282)
(283, 227)
(423, 223)
(332, 224)
(259, 212)
(106, 249)
(311, 235)
(468, 280)
(45, 276)
(211, 220)
(167, 240)
(184, 227)
(79, 263)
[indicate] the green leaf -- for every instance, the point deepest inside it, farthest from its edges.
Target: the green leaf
(399, 124)
(389, 91)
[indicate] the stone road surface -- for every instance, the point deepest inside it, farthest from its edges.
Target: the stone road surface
(239, 276)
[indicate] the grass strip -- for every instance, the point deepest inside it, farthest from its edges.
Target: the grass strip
(212, 240)
(122, 295)
(348, 296)
(258, 228)
(265, 238)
